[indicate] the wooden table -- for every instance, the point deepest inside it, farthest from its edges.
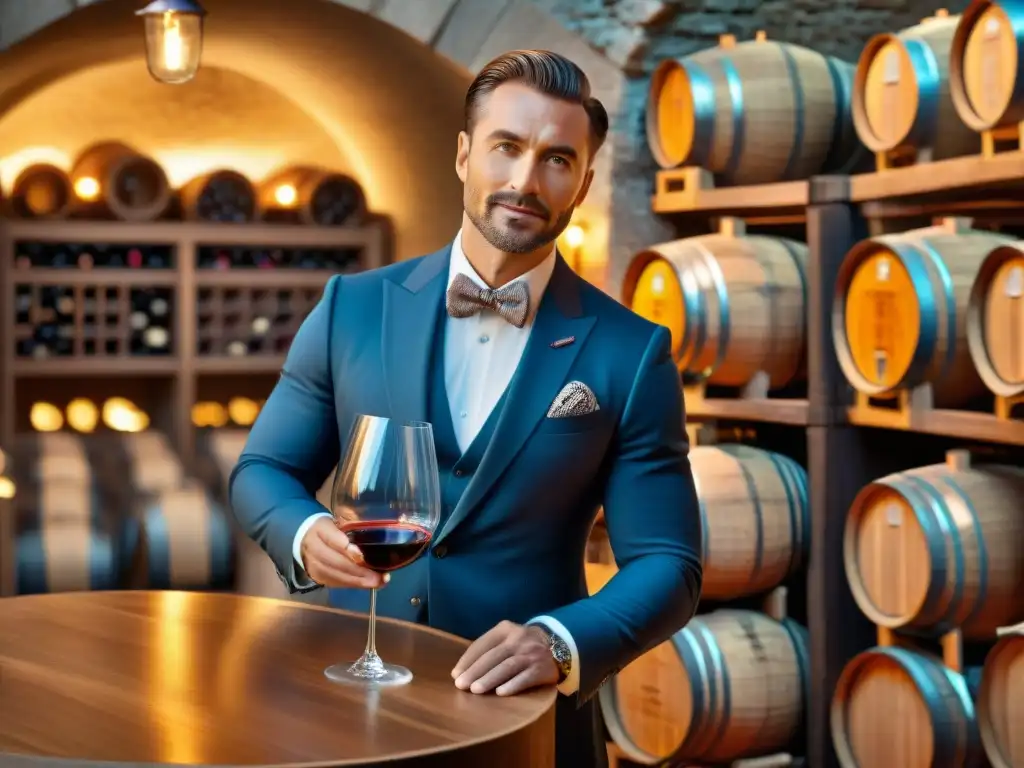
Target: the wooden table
(219, 679)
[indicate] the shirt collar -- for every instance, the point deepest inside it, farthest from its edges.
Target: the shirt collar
(536, 279)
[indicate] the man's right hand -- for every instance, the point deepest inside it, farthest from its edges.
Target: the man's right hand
(332, 560)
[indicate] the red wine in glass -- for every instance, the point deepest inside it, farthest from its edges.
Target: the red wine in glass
(387, 500)
(386, 544)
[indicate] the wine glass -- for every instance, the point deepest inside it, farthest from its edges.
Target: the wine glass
(387, 500)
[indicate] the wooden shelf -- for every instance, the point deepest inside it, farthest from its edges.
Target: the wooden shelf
(136, 278)
(250, 365)
(963, 425)
(692, 190)
(264, 279)
(975, 175)
(779, 410)
(96, 367)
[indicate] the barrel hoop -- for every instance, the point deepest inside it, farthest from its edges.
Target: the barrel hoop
(695, 327)
(795, 528)
(926, 71)
(790, 248)
(798, 636)
(950, 534)
(979, 537)
(694, 658)
(30, 551)
(719, 708)
(934, 536)
(221, 546)
(799, 105)
(710, 262)
(947, 289)
(702, 89)
(748, 479)
(914, 262)
(929, 677)
(735, 86)
(842, 157)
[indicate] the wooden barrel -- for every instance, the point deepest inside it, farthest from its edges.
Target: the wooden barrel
(901, 98)
(41, 191)
(984, 62)
(127, 184)
(51, 457)
(995, 321)
(185, 542)
(68, 556)
(736, 306)
(752, 113)
(894, 707)
(153, 464)
(900, 308)
(730, 684)
(222, 196)
(1001, 703)
(939, 547)
(755, 517)
(316, 196)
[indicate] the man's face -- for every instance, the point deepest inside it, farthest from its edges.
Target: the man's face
(525, 168)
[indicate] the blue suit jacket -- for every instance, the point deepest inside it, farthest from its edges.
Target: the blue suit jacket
(516, 540)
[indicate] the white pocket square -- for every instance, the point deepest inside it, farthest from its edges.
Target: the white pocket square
(575, 399)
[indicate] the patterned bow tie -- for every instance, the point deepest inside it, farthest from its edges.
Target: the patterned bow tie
(466, 298)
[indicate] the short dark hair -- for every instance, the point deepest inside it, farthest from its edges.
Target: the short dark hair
(551, 74)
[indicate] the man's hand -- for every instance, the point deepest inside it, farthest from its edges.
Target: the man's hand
(332, 560)
(509, 659)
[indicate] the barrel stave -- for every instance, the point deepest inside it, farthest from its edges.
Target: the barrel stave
(1001, 703)
(995, 321)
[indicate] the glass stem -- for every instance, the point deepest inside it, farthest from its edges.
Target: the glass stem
(371, 638)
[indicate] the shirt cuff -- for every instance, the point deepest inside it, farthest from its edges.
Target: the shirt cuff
(301, 533)
(571, 684)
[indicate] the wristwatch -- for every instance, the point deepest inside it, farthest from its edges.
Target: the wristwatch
(559, 652)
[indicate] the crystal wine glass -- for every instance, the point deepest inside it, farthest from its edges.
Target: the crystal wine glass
(387, 500)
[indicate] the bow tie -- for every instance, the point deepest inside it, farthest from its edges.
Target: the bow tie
(466, 298)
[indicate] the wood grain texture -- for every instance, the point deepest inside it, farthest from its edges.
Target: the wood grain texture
(199, 678)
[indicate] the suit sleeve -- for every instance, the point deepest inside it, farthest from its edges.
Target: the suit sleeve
(654, 525)
(292, 447)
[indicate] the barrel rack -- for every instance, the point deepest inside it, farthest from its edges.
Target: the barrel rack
(848, 445)
(168, 384)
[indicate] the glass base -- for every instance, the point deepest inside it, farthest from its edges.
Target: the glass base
(369, 670)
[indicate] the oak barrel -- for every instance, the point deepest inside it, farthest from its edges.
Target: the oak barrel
(939, 547)
(730, 684)
(41, 191)
(995, 321)
(753, 112)
(736, 306)
(894, 707)
(129, 185)
(66, 557)
(1001, 703)
(901, 98)
(316, 196)
(899, 316)
(984, 65)
(54, 475)
(184, 542)
(755, 517)
(221, 195)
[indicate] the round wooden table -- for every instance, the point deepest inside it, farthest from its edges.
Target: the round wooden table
(220, 679)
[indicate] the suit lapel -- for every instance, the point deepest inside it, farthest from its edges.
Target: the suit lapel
(411, 310)
(539, 377)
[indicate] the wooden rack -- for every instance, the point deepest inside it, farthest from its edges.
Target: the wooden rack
(169, 383)
(846, 446)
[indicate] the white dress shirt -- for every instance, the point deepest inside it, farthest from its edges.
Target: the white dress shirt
(481, 353)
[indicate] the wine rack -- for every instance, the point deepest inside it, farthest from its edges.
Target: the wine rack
(162, 317)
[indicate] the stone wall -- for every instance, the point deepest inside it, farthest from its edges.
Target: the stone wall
(637, 34)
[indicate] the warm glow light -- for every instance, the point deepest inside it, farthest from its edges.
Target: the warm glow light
(286, 195)
(243, 411)
(209, 414)
(83, 415)
(87, 188)
(174, 39)
(13, 164)
(574, 235)
(122, 415)
(45, 417)
(7, 489)
(184, 164)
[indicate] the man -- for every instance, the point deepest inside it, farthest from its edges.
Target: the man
(548, 400)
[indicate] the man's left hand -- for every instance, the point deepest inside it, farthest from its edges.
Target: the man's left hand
(508, 659)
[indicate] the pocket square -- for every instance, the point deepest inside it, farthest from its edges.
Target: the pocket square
(575, 399)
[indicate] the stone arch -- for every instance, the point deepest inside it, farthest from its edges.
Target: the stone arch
(444, 41)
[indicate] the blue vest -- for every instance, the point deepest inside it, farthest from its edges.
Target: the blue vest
(406, 596)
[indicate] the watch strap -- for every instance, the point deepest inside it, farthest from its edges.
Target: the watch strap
(559, 652)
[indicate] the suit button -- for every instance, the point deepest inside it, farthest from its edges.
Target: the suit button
(414, 601)
(458, 473)
(440, 551)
